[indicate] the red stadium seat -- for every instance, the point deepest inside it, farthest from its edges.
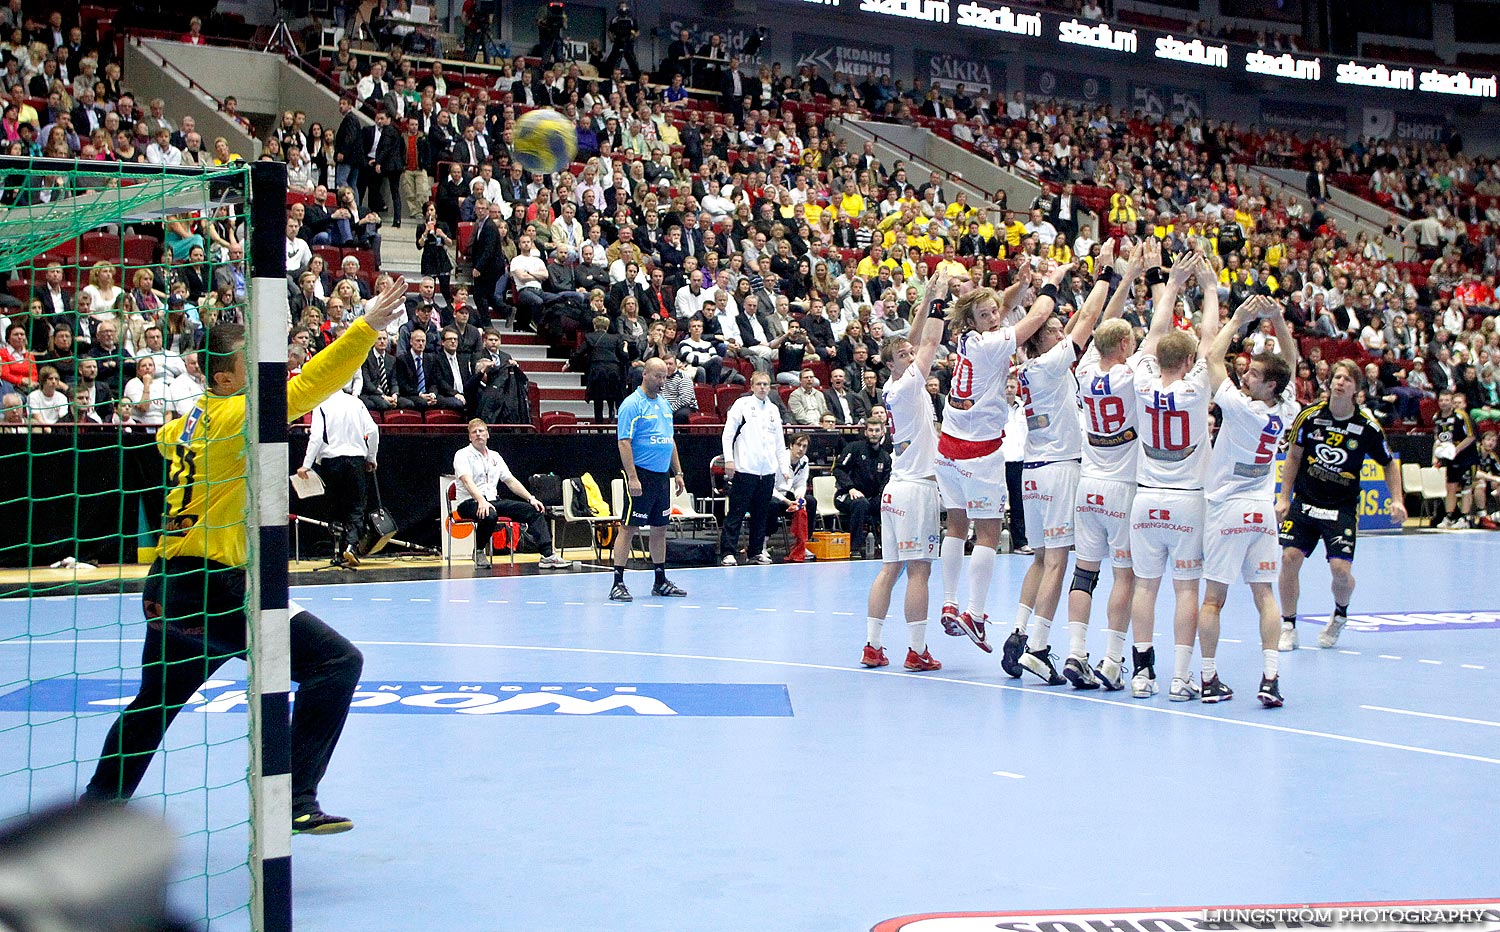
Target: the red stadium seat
(403, 417)
(726, 395)
(557, 422)
(103, 245)
(443, 416)
(705, 395)
(140, 250)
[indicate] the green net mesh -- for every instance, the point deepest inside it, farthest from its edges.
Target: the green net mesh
(116, 272)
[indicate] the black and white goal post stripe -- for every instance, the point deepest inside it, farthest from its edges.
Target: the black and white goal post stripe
(269, 653)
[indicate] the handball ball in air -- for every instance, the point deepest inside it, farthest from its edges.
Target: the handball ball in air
(544, 141)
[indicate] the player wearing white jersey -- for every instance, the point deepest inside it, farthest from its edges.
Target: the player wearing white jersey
(1049, 481)
(1166, 517)
(1106, 483)
(1239, 538)
(910, 528)
(970, 466)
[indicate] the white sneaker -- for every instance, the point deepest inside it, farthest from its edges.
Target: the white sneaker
(1288, 637)
(1184, 690)
(762, 559)
(554, 562)
(729, 560)
(1446, 524)
(1143, 685)
(1332, 630)
(1109, 673)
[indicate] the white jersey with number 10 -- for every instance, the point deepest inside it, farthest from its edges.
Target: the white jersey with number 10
(1107, 397)
(1174, 443)
(909, 414)
(977, 409)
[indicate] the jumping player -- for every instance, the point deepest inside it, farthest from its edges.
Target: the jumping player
(1239, 536)
(1319, 497)
(1106, 484)
(1054, 445)
(1166, 517)
(909, 526)
(970, 466)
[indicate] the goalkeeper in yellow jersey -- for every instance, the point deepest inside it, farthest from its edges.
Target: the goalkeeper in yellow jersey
(195, 595)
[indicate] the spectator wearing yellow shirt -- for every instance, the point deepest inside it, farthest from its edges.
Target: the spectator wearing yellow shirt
(869, 266)
(1122, 209)
(1015, 230)
(959, 211)
(898, 260)
(1060, 251)
(950, 266)
(852, 204)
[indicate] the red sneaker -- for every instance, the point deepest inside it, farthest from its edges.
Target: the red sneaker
(950, 620)
(975, 631)
(874, 657)
(921, 662)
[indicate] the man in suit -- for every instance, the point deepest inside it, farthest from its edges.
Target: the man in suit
(1064, 213)
(733, 87)
(378, 387)
(383, 164)
(1317, 182)
(513, 188)
(679, 59)
(455, 369)
(422, 381)
(87, 116)
(347, 154)
(487, 260)
(49, 291)
(847, 407)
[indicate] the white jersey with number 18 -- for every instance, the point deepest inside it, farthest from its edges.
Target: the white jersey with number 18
(1107, 397)
(1174, 443)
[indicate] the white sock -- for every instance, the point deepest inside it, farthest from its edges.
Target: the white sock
(1273, 662)
(981, 567)
(1078, 636)
(952, 558)
(918, 632)
(1210, 668)
(1023, 615)
(1114, 645)
(1041, 633)
(873, 631)
(1182, 660)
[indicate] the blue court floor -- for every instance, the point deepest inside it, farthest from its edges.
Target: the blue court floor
(526, 756)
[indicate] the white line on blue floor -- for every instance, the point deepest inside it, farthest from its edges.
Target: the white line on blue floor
(1446, 718)
(1471, 666)
(1007, 773)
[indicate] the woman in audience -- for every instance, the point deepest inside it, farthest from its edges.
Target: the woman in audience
(604, 357)
(434, 240)
(145, 399)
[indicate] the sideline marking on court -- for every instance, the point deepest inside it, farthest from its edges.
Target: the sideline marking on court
(1471, 666)
(1446, 718)
(1180, 713)
(1007, 773)
(1435, 663)
(1389, 657)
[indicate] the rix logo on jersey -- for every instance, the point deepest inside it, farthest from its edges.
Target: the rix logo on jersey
(978, 504)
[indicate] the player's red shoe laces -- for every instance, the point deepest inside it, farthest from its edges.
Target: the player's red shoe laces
(950, 620)
(975, 631)
(921, 662)
(874, 657)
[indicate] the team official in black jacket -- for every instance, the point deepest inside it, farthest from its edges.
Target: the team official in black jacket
(862, 470)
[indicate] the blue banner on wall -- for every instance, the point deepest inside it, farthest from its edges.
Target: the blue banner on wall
(426, 697)
(1074, 86)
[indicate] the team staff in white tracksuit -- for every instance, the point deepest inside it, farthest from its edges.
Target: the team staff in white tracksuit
(752, 460)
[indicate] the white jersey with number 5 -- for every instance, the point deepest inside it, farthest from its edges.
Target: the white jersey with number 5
(1107, 397)
(1049, 398)
(909, 414)
(1245, 454)
(1174, 443)
(977, 409)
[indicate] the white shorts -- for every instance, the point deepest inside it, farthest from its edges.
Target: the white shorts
(1239, 540)
(1166, 532)
(1047, 493)
(1102, 521)
(976, 485)
(909, 521)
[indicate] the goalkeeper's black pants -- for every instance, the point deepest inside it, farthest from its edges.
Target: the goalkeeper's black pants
(198, 624)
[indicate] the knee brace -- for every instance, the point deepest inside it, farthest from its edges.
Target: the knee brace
(1084, 581)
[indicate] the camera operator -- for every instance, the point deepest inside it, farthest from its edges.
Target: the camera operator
(551, 23)
(622, 33)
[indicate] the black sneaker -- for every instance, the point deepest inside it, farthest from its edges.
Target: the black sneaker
(1270, 692)
(619, 593)
(668, 589)
(1010, 654)
(1214, 690)
(1040, 663)
(319, 822)
(1080, 674)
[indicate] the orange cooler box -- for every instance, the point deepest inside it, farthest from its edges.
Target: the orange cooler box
(829, 545)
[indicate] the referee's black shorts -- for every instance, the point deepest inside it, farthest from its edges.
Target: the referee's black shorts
(653, 507)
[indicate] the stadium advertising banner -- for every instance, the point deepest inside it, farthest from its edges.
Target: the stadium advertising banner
(1071, 86)
(735, 34)
(1061, 35)
(1163, 102)
(1383, 123)
(1301, 115)
(832, 56)
(948, 71)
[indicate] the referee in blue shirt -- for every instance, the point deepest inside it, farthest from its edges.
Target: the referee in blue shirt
(649, 456)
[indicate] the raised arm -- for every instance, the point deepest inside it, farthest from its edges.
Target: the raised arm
(1218, 370)
(1135, 267)
(1080, 327)
(1044, 305)
(1208, 323)
(926, 330)
(1285, 342)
